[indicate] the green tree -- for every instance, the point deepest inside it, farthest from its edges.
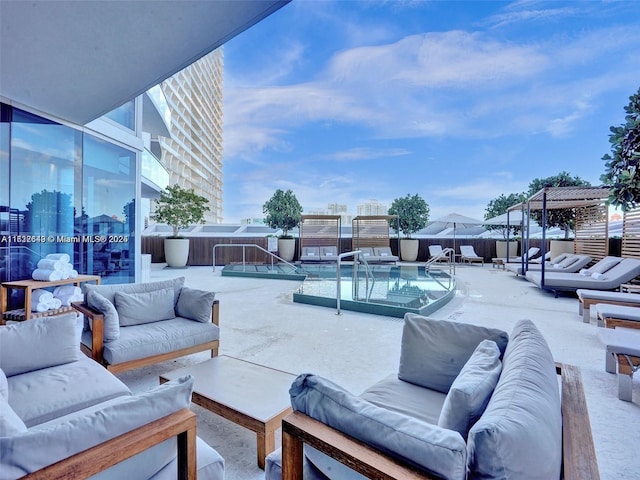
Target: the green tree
(282, 211)
(179, 207)
(412, 212)
(500, 205)
(621, 167)
(560, 217)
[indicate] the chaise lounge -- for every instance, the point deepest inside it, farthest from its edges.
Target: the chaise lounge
(468, 254)
(565, 263)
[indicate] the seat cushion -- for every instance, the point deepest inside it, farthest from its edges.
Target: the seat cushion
(39, 343)
(195, 304)
(4, 386)
(210, 464)
(472, 389)
(520, 433)
(141, 341)
(42, 395)
(433, 449)
(434, 351)
(42, 446)
(144, 307)
(622, 312)
(405, 398)
(10, 423)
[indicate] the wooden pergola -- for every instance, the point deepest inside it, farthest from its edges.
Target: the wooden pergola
(372, 231)
(631, 234)
(320, 231)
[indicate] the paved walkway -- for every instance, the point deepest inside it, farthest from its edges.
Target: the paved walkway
(259, 322)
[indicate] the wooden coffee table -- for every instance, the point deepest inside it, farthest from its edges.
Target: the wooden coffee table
(251, 395)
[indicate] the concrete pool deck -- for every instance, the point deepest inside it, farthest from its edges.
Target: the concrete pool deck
(259, 322)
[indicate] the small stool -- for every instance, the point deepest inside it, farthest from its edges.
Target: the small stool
(622, 357)
(612, 316)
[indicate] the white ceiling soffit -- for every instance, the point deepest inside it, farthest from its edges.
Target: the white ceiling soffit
(78, 60)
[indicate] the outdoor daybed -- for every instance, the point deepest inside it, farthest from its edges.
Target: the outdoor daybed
(465, 404)
(565, 263)
(136, 324)
(319, 254)
(624, 271)
(378, 255)
(65, 416)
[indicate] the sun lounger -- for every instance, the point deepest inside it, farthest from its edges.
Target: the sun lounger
(383, 254)
(435, 251)
(468, 254)
(532, 252)
(612, 316)
(588, 297)
(329, 254)
(622, 357)
(571, 263)
(627, 269)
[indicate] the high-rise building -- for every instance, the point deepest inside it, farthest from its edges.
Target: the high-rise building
(193, 156)
(372, 207)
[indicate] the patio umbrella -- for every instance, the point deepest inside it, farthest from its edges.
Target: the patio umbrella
(515, 218)
(456, 220)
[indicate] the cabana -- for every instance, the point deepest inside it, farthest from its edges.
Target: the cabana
(319, 238)
(371, 232)
(591, 221)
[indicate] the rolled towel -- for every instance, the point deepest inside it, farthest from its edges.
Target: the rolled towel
(598, 276)
(63, 257)
(66, 290)
(39, 307)
(46, 275)
(50, 264)
(54, 303)
(41, 295)
(67, 299)
(73, 273)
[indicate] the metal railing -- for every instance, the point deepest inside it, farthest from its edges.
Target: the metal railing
(448, 253)
(357, 255)
(244, 251)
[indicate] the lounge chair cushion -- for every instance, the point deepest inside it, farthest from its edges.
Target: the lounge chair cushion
(559, 258)
(37, 396)
(141, 341)
(433, 352)
(10, 423)
(524, 410)
(50, 341)
(195, 304)
(567, 262)
(436, 450)
(111, 321)
(144, 307)
(38, 447)
(471, 390)
(604, 265)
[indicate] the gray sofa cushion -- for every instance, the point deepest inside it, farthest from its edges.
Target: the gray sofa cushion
(431, 448)
(524, 411)
(195, 304)
(4, 386)
(210, 464)
(141, 341)
(38, 447)
(434, 351)
(10, 423)
(109, 291)
(273, 468)
(472, 389)
(111, 321)
(38, 343)
(394, 394)
(144, 307)
(42, 395)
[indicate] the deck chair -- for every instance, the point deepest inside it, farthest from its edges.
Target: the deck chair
(435, 251)
(468, 254)
(570, 263)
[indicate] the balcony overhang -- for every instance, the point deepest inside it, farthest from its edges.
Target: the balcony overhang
(79, 60)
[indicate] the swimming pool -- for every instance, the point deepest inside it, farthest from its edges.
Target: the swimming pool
(391, 290)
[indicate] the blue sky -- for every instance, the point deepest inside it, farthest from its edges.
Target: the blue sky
(347, 101)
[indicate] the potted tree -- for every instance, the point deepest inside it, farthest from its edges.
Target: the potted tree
(179, 207)
(283, 211)
(413, 215)
(508, 246)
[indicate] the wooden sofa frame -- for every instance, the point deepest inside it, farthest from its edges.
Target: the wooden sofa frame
(97, 341)
(578, 452)
(180, 424)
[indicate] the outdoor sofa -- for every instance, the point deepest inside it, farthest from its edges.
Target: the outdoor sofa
(565, 263)
(58, 405)
(465, 403)
(136, 324)
(624, 270)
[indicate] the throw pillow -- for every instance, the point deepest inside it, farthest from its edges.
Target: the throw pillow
(472, 389)
(438, 451)
(4, 385)
(10, 423)
(433, 352)
(38, 343)
(146, 307)
(195, 304)
(111, 325)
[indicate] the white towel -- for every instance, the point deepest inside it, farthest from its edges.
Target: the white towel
(67, 299)
(50, 264)
(66, 290)
(39, 307)
(598, 276)
(63, 257)
(73, 273)
(54, 303)
(40, 295)
(46, 275)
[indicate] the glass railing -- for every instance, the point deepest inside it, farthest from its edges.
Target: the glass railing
(157, 96)
(153, 170)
